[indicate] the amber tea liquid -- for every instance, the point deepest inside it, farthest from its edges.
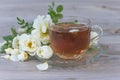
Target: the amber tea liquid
(69, 41)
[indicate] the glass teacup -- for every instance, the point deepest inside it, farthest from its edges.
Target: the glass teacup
(70, 38)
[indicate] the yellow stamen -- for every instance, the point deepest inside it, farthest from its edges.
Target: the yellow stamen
(30, 44)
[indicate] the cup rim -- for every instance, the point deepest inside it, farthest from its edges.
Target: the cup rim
(76, 19)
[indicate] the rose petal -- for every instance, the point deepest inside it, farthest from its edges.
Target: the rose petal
(15, 52)
(43, 66)
(6, 57)
(15, 43)
(14, 58)
(31, 53)
(8, 50)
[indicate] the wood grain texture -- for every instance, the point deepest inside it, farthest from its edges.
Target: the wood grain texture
(103, 12)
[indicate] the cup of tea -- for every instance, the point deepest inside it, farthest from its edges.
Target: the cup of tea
(70, 38)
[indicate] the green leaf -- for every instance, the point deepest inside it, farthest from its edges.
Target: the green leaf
(55, 20)
(29, 29)
(5, 46)
(59, 16)
(8, 38)
(76, 21)
(55, 14)
(30, 25)
(53, 4)
(25, 25)
(2, 51)
(18, 19)
(59, 8)
(21, 23)
(14, 32)
(50, 8)
(52, 14)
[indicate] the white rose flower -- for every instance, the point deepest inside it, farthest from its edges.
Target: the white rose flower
(43, 66)
(44, 52)
(28, 43)
(41, 25)
(94, 38)
(15, 43)
(23, 56)
(15, 55)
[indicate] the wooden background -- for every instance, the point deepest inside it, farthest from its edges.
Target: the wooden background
(103, 12)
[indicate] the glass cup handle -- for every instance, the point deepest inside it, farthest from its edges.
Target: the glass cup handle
(96, 33)
(98, 29)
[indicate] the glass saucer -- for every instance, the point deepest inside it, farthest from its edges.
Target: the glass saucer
(90, 56)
